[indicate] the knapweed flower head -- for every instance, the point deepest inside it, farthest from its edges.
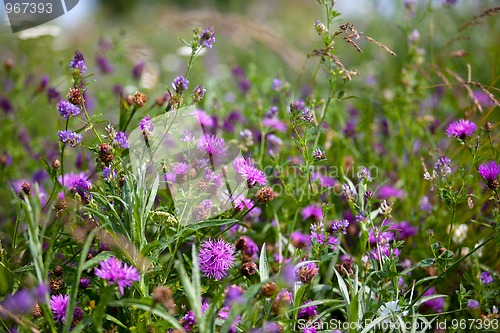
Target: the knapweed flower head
(212, 145)
(121, 139)
(216, 257)
(307, 272)
(116, 272)
(82, 187)
(248, 172)
(207, 37)
(307, 311)
(78, 62)
(66, 109)
(461, 129)
(70, 137)
(58, 305)
(202, 211)
(180, 84)
(490, 171)
(314, 212)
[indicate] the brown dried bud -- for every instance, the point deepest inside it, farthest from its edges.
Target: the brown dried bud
(241, 243)
(181, 178)
(269, 289)
(56, 284)
(488, 127)
(202, 185)
(8, 64)
(25, 190)
(140, 99)
(37, 311)
(4, 159)
(248, 268)
(121, 181)
(165, 296)
(160, 101)
(265, 194)
(105, 154)
(60, 206)
(56, 164)
(347, 265)
(75, 96)
(493, 184)
(58, 271)
(129, 99)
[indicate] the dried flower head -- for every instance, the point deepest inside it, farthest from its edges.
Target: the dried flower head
(140, 99)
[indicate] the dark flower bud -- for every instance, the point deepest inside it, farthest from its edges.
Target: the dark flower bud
(56, 164)
(105, 154)
(75, 96)
(265, 194)
(58, 271)
(248, 268)
(269, 289)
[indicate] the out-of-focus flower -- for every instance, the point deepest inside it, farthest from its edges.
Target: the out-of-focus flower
(212, 145)
(486, 278)
(312, 211)
(216, 257)
(436, 304)
(115, 272)
(472, 304)
(307, 311)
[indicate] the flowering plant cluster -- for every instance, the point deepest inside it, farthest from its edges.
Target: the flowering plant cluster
(253, 205)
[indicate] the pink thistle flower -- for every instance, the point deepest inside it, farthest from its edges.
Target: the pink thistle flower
(112, 270)
(216, 257)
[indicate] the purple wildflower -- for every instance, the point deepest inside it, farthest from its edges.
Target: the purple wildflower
(78, 62)
(112, 270)
(138, 70)
(472, 304)
(146, 126)
(66, 109)
(449, 2)
(69, 137)
(319, 154)
(84, 283)
(202, 211)
(242, 79)
(443, 166)
(248, 172)
(6, 105)
(309, 330)
(277, 84)
(388, 191)
(207, 37)
(24, 300)
(308, 311)
(103, 64)
(274, 123)
(299, 240)
(486, 278)
(180, 168)
(490, 171)
(212, 145)
(189, 319)
(319, 236)
(187, 136)
(58, 305)
(312, 211)
(297, 106)
(406, 229)
(234, 295)
(483, 99)
(307, 115)
(340, 226)
(216, 257)
(307, 272)
(82, 187)
(461, 129)
(436, 304)
(121, 139)
(198, 93)
(180, 84)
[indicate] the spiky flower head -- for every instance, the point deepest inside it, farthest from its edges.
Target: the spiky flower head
(198, 93)
(58, 305)
(490, 171)
(115, 272)
(212, 145)
(461, 129)
(248, 172)
(319, 154)
(216, 257)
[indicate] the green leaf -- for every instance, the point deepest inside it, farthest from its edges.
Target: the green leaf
(263, 267)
